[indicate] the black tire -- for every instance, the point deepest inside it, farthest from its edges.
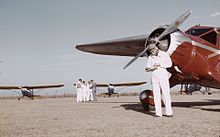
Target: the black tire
(146, 107)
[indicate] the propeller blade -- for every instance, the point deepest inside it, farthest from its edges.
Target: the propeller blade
(175, 24)
(135, 58)
(172, 27)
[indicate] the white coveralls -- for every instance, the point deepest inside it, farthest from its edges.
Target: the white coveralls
(160, 81)
(87, 92)
(79, 91)
(84, 93)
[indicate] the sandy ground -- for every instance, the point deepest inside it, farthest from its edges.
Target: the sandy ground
(194, 116)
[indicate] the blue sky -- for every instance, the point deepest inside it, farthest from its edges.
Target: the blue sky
(38, 37)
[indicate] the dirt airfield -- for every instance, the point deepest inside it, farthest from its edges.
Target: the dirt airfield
(194, 116)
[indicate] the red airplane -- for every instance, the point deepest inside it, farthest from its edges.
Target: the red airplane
(195, 53)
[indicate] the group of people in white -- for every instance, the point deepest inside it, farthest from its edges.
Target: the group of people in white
(86, 91)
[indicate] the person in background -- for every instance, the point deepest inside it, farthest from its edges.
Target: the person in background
(93, 90)
(79, 90)
(90, 95)
(84, 91)
(87, 91)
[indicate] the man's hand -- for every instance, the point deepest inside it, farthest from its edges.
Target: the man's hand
(150, 69)
(147, 69)
(157, 65)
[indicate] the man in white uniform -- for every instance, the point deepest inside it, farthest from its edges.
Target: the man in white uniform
(157, 63)
(79, 90)
(90, 95)
(87, 91)
(84, 91)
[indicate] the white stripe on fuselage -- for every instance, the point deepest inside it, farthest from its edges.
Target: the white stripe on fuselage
(178, 38)
(215, 51)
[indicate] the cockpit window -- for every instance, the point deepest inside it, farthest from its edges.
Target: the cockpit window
(197, 32)
(210, 37)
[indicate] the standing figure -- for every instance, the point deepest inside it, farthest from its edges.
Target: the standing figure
(93, 90)
(79, 90)
(157, 63)
(90, 95)
(87, 91)
(84, 91)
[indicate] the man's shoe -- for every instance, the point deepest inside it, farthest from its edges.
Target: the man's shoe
(170, 116)
(157, 116)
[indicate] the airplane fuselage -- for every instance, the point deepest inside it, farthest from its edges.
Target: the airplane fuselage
(198, 57)
(27, 93)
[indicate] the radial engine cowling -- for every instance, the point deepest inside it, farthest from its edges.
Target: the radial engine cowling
(164, 42)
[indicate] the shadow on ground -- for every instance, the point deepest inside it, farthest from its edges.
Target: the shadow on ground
(136, 107)
(195, 105)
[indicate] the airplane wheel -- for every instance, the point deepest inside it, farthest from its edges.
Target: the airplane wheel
(146, 107)
(19, 98)
(146, 99)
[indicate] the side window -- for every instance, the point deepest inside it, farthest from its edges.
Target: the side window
(210, 37)
(197, 32)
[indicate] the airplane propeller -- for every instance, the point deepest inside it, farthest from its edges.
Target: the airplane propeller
(171, 28)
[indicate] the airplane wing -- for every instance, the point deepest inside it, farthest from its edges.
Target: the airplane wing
(121, 84)
(128, 84)
(9, 87)
(43, 86)
(129, 46)
(32, 87)
(102, 85)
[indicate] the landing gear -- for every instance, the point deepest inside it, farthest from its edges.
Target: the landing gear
(104, 95)
(147, 99)
(207, 89)
(146, 107)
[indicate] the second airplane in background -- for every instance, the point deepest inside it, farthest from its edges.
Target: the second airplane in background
(111, 87)
(28, 91)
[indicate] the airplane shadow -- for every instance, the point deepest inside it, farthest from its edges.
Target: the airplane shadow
(195, 105)
(198, 105)
(137, 107)
(208, 102)
(101, 102)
